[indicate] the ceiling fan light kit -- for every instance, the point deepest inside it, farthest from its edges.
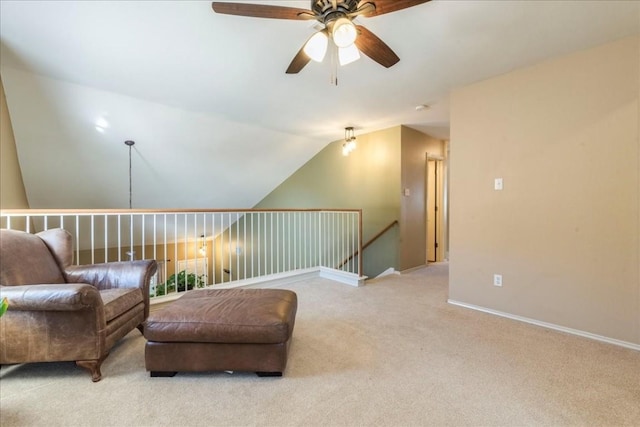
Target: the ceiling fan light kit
(344, 33)
(316, 46)
(337, 17)
(347, 55)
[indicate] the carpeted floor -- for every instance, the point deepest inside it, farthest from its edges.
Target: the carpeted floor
(392, 353)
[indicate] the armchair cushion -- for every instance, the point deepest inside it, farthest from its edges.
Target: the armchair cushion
(133, 275)
(60, 245)
(117, 301)
(17, 247)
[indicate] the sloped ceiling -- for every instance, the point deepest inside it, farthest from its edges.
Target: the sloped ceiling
(216, 121)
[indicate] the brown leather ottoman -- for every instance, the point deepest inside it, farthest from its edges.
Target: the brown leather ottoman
(222, 330)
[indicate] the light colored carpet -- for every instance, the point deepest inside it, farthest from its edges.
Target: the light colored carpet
(392, 353)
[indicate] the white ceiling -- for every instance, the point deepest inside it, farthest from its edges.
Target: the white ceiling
(216, 120)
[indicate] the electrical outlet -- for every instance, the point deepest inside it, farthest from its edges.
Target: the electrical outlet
(497, 280)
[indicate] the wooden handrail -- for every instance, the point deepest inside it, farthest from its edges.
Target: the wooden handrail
(369, 242)
(26, 212)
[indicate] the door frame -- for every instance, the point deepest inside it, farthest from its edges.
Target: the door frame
(441, 251)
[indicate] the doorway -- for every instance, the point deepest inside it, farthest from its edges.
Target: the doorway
(434, 202)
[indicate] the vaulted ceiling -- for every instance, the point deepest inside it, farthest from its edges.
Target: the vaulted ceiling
(216, 121)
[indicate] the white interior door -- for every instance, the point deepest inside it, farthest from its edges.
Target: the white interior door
(434, 212)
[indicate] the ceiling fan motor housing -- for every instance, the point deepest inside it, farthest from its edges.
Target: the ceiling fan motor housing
(325, 10)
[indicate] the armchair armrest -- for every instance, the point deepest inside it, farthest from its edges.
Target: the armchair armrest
(122, 274)
(51, 297)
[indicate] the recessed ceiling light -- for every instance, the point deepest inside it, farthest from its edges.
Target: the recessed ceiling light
(422, 107)
(101, 124)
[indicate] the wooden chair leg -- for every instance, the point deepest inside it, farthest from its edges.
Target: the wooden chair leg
(93, 366)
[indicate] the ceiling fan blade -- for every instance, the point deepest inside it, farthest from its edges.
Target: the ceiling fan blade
(298, 63)
(374, 48)
(262, 11)
(387, 6)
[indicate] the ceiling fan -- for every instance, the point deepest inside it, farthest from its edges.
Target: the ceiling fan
(336, 18)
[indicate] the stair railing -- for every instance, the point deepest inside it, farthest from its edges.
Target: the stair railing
(215, 246)
(368, 243)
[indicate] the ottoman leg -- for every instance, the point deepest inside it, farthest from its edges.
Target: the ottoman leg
(162, 374)
(269, 374)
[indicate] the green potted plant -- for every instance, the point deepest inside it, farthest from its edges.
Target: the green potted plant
(4, 304)
(181, 281)
(185, 281)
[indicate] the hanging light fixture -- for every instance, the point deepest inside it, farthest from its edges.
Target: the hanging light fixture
(349, 143)
(203, 246)
(131, 254)
(130, 144)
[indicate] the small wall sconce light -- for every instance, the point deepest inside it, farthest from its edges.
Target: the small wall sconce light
(349, 143)
(203, 246)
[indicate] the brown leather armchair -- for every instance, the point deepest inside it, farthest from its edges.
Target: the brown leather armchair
(63, 312)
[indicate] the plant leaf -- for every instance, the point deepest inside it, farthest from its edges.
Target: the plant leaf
(3, 306)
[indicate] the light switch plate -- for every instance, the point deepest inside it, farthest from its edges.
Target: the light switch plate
(497, 184)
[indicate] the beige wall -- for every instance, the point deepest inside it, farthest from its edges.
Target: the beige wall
(415, 146)
(564, 232)
(12, 193)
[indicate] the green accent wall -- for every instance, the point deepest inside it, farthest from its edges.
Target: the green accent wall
(371, 178)
(367, 179)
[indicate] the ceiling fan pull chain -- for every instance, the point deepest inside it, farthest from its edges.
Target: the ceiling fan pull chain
(334, 65)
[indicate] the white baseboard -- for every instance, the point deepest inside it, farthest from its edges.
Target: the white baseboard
(571, 331)
(409, 270)
(342, 276)
(389, 271)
